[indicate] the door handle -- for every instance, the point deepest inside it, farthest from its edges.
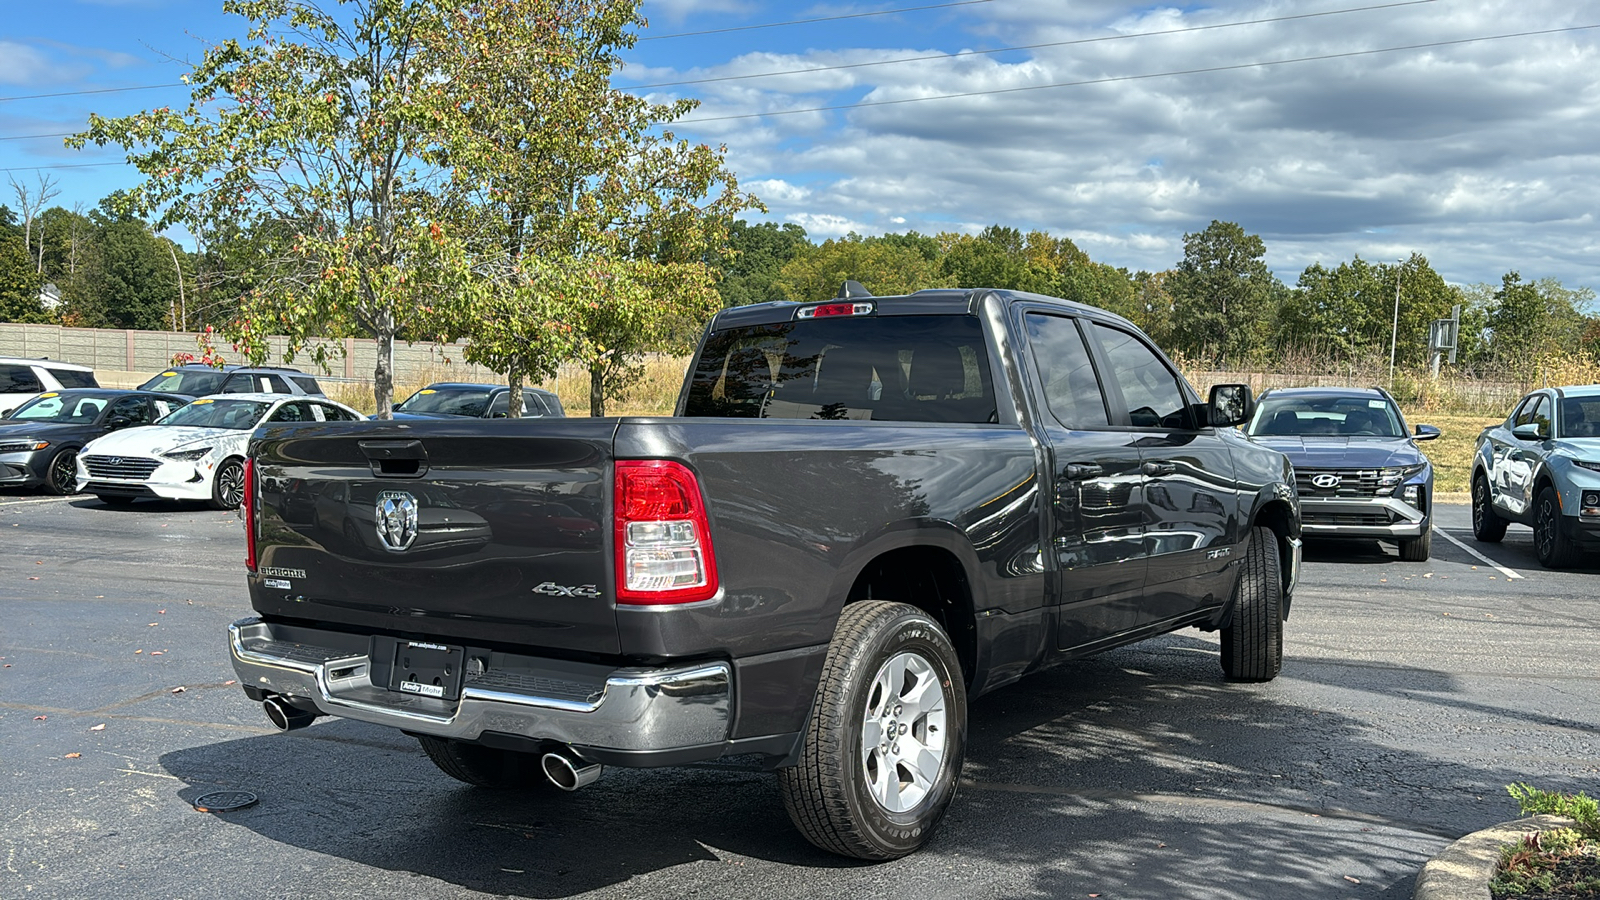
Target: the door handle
(1159, 468)
(1081, 471)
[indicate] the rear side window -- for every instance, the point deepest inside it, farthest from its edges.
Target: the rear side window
(893, 368)
(306, 383)
(19, 380)
(72, 378)
(1070, 388)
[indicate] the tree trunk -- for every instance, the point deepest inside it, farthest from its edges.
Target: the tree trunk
(514, 399)
(383, 373)
(597, 393)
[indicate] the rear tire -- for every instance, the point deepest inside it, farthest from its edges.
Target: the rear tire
(1252, 642)
(1417, 549)
(480, 766)
(1487, 526)
(860, 790)
(1554, 549)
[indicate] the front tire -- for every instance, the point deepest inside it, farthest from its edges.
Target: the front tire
(481, 766)
(887, 736)
(1554, 549)
(1487, 526)
(1252, 642)
(1417, 549)
(62, 476)
(227, 485)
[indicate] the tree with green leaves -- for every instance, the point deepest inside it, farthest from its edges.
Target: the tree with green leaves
(560, 179)
(19, 282)
(319, 119)
(1528, 320)
(1223, 294)
(895, 264)
(755, 258)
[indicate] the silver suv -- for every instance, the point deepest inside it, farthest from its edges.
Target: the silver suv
(199, 380)
(22, 379)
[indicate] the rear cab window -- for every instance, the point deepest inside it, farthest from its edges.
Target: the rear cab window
(918, 368)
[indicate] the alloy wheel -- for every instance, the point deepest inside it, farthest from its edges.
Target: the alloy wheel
(1545, 524)
(64, 471)
(230, 484)
(903, 732)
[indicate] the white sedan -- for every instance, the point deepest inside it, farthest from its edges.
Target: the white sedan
(196, 452)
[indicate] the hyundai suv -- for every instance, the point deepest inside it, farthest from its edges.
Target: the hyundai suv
(22, 379)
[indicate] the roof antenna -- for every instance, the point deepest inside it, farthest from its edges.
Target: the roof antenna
(851, 290)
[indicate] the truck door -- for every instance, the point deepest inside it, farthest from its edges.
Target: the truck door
(1096, 539)
(1189, 490)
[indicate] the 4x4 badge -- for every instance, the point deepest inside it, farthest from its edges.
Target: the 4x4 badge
(396, 514)
(551, 589)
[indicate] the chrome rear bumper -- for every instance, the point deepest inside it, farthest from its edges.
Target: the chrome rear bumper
(631, 710)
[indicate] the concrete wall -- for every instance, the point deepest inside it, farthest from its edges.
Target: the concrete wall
(148, 352)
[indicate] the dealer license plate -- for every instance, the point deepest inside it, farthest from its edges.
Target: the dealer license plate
(427, 669)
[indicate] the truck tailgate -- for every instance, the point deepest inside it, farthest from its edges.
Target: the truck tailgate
(485, 531)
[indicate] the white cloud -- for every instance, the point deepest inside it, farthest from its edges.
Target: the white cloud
(1482, 156)
(776, 190)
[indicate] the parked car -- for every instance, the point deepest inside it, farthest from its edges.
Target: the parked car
(1541, 468)
(40, 440)
(195, 380)
(22, 379)
(1357, 466)
(196, 452)
(864, 513)
(446, 399)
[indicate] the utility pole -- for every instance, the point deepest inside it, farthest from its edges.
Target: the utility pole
(1394, 330)
(172, 247)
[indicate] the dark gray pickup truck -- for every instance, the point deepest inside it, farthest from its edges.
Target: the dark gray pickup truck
(863, 513)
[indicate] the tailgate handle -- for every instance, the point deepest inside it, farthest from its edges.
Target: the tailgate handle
(396, 459)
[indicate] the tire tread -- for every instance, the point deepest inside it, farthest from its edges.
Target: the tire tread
(1252, 643)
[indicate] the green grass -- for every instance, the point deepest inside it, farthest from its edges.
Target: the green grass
(1451, 452)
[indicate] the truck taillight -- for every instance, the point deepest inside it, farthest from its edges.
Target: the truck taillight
(663, 542)
(247, 505)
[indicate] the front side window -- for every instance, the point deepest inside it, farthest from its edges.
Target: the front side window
(134, 409)
(1541, 415)
(1524, 414)
(241, 415)
(1149, 387)
(296, 411)
(928, 368)
(1066, 374)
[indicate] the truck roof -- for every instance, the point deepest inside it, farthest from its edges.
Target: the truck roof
(933, 301)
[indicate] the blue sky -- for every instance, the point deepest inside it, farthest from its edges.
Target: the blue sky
(1483, 155)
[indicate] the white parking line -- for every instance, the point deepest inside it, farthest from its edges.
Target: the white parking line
(1507, 572)
(45, 500)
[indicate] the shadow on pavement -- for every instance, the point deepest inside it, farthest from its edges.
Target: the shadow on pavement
(1137, 773)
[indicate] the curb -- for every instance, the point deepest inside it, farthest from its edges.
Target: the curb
(1463, 870)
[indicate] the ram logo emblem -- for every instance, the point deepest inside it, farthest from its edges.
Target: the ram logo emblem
(396, 515)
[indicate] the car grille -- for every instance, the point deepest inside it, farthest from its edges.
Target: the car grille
(130, 468)
(1353, 483)
(1347, 520)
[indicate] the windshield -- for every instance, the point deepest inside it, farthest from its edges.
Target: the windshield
(1308, 415)
(1580, 417)
(449, 401)
(208, 413)
(188, 381)
(73, 408)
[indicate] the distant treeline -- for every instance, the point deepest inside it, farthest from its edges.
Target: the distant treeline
(1219, 304)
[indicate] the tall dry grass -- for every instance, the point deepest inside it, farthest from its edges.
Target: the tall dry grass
(655, 394)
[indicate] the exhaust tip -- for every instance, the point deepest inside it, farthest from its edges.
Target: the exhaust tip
(568, 773)
(285, 716)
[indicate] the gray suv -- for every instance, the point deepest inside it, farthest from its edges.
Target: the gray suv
(199, 380)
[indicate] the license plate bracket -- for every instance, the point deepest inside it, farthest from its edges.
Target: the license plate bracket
(426, 669)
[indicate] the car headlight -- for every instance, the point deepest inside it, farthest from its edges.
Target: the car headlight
(188, 455)
(1591, 465)
(1389, 478)
(23, 446)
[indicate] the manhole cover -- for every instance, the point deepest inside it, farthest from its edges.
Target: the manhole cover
(224, 801)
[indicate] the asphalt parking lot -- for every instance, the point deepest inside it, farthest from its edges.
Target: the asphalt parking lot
(1411, 694)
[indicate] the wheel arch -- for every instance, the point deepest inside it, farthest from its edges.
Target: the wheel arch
(1279, 513)
(928, 567)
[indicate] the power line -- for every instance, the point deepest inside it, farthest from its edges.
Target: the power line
(139, 87)
(1093, 40)
(66, 166)
(881, 12)
(1117, 78)
(29, 137)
